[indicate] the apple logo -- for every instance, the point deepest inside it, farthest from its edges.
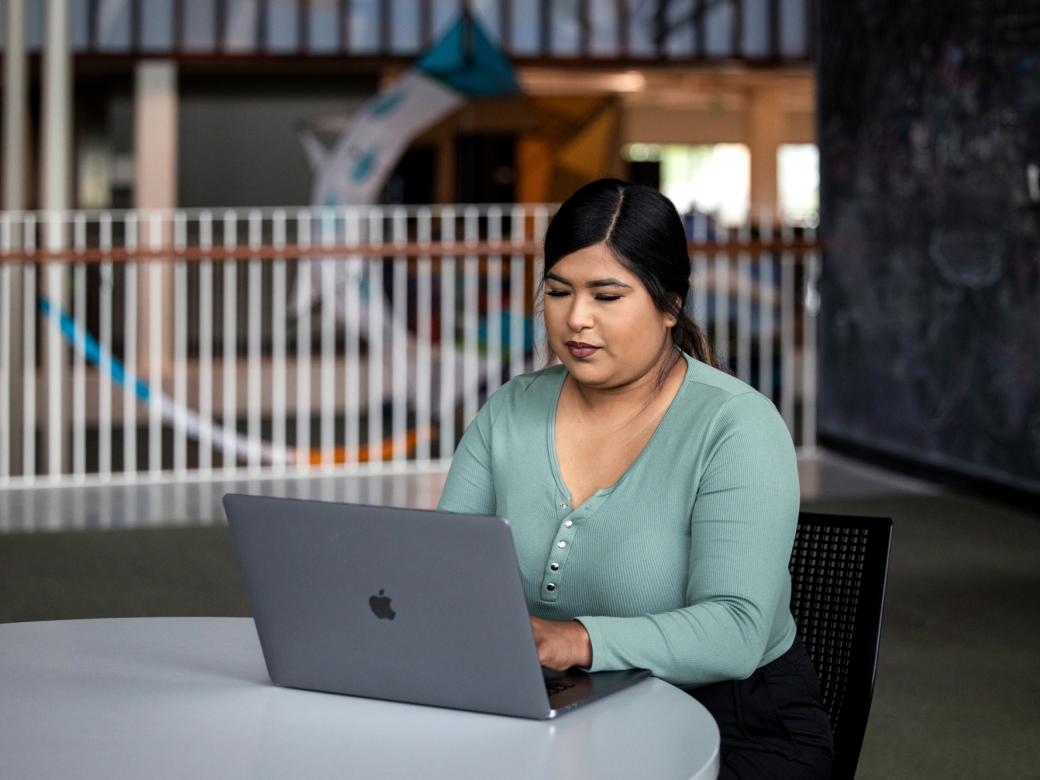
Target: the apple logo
(381, 606)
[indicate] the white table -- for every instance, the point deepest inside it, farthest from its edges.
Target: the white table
(190, 697)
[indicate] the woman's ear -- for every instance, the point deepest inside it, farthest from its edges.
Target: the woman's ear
(671, 320)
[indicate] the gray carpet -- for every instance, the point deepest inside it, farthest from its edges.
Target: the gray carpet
(958, 690)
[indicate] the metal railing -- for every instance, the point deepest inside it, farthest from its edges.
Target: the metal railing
(190, 343)
(767, 31)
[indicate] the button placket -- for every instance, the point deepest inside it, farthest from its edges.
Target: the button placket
(562, 543)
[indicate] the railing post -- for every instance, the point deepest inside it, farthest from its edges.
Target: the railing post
(493, 374)
(31, 317)
(355, 266)
(446, 353)
(79, 371)
(470, 318)
(278, 322)
(541, 347)
(721, 286)
(130, 227)
(158, 331)
(229, 355)
(376, 347)
(767, 305)
(424, 332)
(254, 324)
(302, 313)
(744, 302)
(517, 299)
(809, 324)
(402, 354)
(105, 294)
(206, 313)
(180, 343)
(330, 278)
(787, 331)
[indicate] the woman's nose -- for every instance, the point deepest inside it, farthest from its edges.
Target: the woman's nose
(579, 317)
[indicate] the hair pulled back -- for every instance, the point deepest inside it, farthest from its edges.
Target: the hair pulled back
(644, 232)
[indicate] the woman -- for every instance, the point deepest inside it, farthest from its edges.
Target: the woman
(652, 497)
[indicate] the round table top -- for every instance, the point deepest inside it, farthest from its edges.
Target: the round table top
(190, 697)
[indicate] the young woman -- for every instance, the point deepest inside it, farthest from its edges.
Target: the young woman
(652, 497)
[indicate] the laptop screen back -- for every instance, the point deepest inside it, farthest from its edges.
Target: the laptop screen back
(389, 603)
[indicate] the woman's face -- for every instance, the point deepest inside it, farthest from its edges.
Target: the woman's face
(601, 321)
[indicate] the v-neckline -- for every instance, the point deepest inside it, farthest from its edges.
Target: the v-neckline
(554, 461)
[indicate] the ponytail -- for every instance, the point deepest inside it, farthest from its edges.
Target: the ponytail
(688, 336)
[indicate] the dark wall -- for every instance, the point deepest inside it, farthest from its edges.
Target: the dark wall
(929, 134)
(239, 144)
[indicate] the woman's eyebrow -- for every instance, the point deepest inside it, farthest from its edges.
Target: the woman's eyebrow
(593, 283)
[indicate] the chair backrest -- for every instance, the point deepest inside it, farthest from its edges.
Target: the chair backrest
(839, 567)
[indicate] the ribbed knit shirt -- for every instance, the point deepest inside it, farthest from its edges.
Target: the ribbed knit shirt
(679, 567)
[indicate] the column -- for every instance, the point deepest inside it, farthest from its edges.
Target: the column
(155, 190)
(155, 135)
(16, 152)
(765, 131)
(57, 147)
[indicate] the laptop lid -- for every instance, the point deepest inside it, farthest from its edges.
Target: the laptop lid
(402, 604)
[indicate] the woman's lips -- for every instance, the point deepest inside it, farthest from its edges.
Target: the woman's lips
(581, 350)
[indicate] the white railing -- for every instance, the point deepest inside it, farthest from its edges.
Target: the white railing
(773, 30)
(200, 343)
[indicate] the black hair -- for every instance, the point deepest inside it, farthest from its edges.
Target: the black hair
(644, 232)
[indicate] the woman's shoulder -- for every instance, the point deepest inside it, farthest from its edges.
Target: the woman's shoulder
(732, 431)
(534, 391)
(724, 398)
(714, 379)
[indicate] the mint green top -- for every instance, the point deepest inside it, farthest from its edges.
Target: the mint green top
(680, 567)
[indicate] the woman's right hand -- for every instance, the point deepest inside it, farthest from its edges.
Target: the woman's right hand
(561, 643)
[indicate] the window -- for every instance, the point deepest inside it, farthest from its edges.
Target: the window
(710, 178)
(798, 174)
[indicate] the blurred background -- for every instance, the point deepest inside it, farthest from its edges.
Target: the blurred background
(291, 246)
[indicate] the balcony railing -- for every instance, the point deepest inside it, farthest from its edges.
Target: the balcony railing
(167, 344)
(621, 30)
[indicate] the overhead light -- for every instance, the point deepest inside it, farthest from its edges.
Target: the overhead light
(558, 80)
(629, 81)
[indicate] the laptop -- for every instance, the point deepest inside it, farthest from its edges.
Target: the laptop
(401, 604)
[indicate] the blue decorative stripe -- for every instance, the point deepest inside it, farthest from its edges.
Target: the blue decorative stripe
(76, 335)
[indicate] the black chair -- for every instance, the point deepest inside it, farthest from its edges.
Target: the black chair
(839, 567)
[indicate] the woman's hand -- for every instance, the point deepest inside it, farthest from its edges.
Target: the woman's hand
(561, 643)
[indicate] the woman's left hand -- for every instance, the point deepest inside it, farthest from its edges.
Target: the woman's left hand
(561, 643)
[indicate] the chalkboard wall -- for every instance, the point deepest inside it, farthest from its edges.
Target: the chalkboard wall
(929, 134)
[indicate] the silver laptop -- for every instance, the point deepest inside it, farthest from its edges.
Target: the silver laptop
(401, 604)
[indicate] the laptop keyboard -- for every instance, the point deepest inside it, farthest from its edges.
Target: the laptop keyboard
(553, 687)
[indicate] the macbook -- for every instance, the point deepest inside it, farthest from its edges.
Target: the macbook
(401, 604)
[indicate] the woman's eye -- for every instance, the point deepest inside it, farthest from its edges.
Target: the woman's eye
(599, 297)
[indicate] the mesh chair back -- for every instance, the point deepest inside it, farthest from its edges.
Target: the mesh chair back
(839, 567)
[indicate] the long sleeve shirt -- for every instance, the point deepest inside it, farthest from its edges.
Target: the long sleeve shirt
(679, 567)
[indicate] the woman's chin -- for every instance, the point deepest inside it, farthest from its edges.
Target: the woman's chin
(587, 372)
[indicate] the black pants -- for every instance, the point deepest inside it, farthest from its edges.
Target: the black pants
(773, 724)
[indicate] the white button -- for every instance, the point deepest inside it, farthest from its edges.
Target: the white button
(554, 566)
(563, 506)
(561, 544)
(568, 523)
